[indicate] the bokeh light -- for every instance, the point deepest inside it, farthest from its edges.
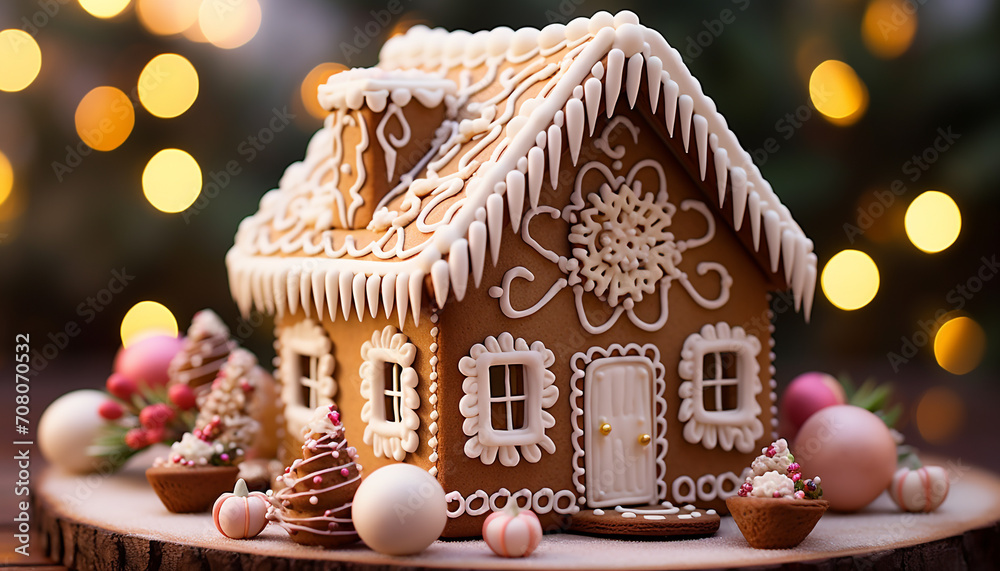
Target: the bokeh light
(168, 85)
(6, 177)
(167, 17)
(959, 345)
(940, 413)
(310, 86)
(147, 318)
(227, 24)
(20, 60)
(888, 27)
(933, 221)
(837, 92)
(104, 118)
(850, 279)
(171, 180)
(104, 8)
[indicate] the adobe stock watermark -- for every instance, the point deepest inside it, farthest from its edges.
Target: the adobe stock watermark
(563, 12)
(900, 14)
(372, 30)
(87, 310)
(957, 298)
(915, 167)
(41, 17)
(249, 149)
(712, 30)
(896, 530)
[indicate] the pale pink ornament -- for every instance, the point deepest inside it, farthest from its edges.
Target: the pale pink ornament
(512, 531)
(241, 513)
(920, 490)
(146, 360)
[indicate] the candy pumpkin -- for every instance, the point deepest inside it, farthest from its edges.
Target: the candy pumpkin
(920, 490)
(512, 531)
(240, 514)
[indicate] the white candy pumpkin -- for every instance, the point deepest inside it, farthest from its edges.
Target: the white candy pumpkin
(240, 514)
(920, 490)
(512, 531)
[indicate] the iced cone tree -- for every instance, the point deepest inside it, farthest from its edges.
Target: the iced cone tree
(206, 349)
(317, 490)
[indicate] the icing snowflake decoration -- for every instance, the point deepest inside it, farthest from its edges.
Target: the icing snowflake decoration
(624, 243)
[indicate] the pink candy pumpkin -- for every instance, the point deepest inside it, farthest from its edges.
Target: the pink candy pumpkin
(512, 531)
(240, 514)
(920, 490)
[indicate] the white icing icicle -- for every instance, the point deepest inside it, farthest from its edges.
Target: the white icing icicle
(592, 97)
(739, 182)
(416, 295)
(440, 280)
(555, 153)
(686, 106)
(788, 252)
(358, 286)
(305, 293)
(613, 83)
(536, 173)
(372, 289)
(670, 94)
(458, 264)
(633, 78)
(477, 250)
(402, 297)
(701, 141)
(515, 197)
(754, 204)
(721, 173)
(346, 290)
(772, 230)
(654, 67)
(494, 218)
(388, 293)
(574, 127)
(332, 289)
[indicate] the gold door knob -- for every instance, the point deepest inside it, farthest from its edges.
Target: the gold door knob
(644, 439)
(605, 428)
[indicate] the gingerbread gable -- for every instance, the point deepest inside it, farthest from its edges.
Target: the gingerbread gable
(425, 159)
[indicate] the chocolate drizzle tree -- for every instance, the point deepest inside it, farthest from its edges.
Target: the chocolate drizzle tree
(206, 348)
(314, 504)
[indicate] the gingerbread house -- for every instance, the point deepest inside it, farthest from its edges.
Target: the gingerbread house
(535, 263)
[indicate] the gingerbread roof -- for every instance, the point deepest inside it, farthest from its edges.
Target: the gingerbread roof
(509, 97)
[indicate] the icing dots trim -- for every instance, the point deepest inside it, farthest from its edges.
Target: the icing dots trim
(387, 376)
(541, 501)
(719, 395)
(508, 388)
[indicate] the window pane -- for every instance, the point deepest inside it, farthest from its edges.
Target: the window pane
(708, 366)
(730, 397)
(392, 394)
(305, 372)
(498, 381)
(729, 362)
(517, 414)
(717, 398)
(516, 380)
(498, 415)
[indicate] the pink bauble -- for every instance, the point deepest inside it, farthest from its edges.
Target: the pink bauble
(512, 532)
(806, 394)
(147, 359)
(920, 490)
(240, 514)
(851, 450)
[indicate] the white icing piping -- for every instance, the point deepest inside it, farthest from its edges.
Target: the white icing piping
(618, 38)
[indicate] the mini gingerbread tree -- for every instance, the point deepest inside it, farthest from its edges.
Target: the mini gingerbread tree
(314, 504)
(206, 348)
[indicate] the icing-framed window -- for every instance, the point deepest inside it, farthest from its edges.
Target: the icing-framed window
(305, 368)
(389, 387)
(508, 389)
(719, 395)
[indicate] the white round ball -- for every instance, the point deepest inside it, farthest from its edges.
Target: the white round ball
(399, 509)
(68, 427)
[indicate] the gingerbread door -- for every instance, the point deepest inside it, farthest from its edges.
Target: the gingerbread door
(618, 432)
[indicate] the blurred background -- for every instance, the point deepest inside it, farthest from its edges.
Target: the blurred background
(136, 134)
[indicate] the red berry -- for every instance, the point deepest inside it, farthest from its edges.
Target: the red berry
(182, 396)
(136, 439)
(110, 410)
(155, 415)
(121, 386)
(770, 452)
(154, 435)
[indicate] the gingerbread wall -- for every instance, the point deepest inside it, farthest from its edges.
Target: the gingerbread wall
(557, 326)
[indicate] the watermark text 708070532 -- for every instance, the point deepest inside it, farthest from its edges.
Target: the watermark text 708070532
(22, 442)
